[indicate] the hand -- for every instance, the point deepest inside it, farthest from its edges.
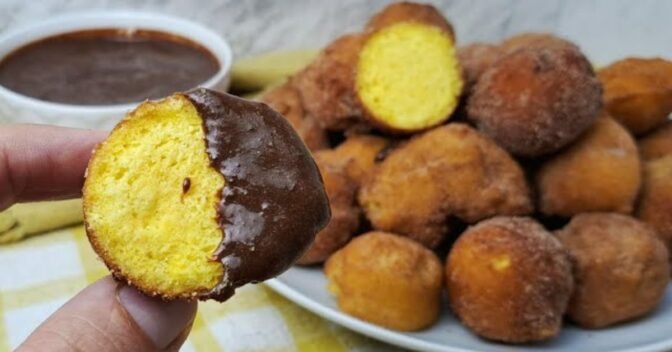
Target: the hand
(39, 163)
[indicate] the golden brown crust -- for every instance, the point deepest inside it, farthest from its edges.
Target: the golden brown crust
(655, 203)
(621, 268)
(409, 12)
(536, 99)
(345, 213)
(388, 280)
(599, 172)
(509, 280)
(658, 143)
(475, 59)
(286, 100)
(327, 87)
(451, 170)
(638, 92)
(532, 39)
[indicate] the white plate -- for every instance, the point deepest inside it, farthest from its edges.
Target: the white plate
(307, 288)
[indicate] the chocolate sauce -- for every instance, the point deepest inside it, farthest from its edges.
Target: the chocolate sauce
(273, 202)
(107, 66)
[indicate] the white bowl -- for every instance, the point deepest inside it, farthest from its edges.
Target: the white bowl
(15, 107)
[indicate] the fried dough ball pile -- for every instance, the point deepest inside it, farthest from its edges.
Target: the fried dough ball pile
(399, 287)
(600, 172)
(449, 171)
(536, 100)
(345, 214)
(638, 92)
(621, 268)
(539, 136)
(509, 280)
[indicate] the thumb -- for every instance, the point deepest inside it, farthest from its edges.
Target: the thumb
(109, 316)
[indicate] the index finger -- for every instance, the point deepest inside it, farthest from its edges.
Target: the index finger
(43, 162)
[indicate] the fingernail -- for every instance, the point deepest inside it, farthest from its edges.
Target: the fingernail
(161, 321)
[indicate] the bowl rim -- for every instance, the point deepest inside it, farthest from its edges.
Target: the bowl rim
(216, 44)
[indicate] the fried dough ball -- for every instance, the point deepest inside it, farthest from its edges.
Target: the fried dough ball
(531, 39)
(409, 12)
(657, 144)
(600, 172)
(638, 92)
(621, 268)
(341, 190)
(286, 100)
(327, 84)
(195, 195)
(509, 280)
(655, 203)
(475, 59)
(450, 171)
(387, 280)
(536, 100)
(408, 78)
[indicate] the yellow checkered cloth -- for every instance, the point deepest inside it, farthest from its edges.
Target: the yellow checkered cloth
(41, 273)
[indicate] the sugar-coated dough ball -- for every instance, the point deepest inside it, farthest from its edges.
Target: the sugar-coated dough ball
(449, 171)
(621, 268)
(600, 172)
(388, 280)
(638, 92)
(536, 100)
(509, 280)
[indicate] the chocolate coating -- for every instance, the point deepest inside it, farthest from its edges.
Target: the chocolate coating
(273, 202)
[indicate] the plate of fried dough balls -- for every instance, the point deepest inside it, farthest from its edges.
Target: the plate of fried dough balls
(485, 197)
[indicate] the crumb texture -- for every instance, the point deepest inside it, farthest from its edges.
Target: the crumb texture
(408, 76)
(146, 225)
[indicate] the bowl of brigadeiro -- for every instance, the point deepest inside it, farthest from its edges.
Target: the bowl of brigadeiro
(89, 69)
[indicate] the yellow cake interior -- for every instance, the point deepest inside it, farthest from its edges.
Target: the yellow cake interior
(408, 76)
(144, 224)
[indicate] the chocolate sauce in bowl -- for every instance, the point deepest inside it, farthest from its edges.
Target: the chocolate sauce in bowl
(107, 67)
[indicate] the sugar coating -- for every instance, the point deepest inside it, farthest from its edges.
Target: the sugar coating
(536, 99)
(599, 172)
(621, 268)
(475, 59)
(509, 280)
(638, 92)
(326, 85)
(449, 171)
